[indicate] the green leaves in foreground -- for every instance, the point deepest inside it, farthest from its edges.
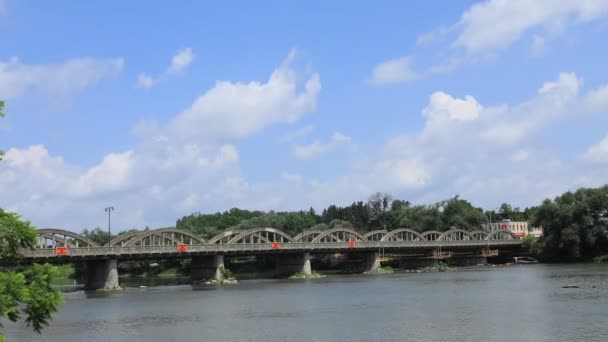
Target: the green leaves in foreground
(14, 234)
(24, 291)
(29, 293)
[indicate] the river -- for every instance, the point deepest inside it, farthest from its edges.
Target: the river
(516, 303)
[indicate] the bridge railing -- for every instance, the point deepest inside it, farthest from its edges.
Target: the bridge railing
(257, 247)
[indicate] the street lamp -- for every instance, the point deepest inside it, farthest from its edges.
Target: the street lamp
(109, 211)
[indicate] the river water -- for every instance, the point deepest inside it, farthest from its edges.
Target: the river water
(516, 303)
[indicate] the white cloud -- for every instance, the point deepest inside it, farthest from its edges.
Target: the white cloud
(114, 173)
(598, 153)
(145, 81)
(179, 62)
(291, 177)
(235, 110)
(59, 82)
(167, 174)
(444, 107)
(490, 27)
(182, 59)
(510, 126)
(474, 150)
(597, 100)
(296, 134)
(493, 25)
(393, 71)
(538, 46)
(520, 155)
(317, 148)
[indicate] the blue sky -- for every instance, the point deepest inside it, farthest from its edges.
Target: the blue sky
(163, 110)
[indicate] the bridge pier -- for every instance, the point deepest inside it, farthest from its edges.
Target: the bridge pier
(371, 262)
(102, 275)
(207, 267)
(288, 264)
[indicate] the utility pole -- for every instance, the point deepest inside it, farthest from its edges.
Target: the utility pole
(109, 211)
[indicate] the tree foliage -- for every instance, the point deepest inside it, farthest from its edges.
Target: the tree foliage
(575, 224)
(26, 291)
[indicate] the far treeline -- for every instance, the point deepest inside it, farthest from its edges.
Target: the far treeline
(575, 224)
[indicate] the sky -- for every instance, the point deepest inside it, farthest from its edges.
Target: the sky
(162, 110)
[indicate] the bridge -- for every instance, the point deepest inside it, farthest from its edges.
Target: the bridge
(293, 254)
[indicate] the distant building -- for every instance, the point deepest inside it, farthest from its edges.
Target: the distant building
(519, 228)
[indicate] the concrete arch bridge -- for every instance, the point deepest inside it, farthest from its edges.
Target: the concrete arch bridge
(293, 253)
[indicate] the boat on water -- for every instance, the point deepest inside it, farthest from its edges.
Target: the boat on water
(525, 260)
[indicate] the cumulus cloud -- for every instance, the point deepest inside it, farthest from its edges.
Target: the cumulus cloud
(490, 27)
(317, 148)
(597, 100)
(598, 153)
(393, 71)
(182, 59)
(475, 150)
(235, 110)
(443, 107)
(145, 81)
(58, 81)
(179, 62)
(169, 172)
(493, 25)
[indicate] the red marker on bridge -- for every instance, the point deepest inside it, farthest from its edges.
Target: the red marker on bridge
(182, 247)
(276, 245)
(61, 251)
(351, 244)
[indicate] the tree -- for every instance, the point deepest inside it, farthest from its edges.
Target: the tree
(27, 291)
(575, 224)
(100, 236)
(377, 204)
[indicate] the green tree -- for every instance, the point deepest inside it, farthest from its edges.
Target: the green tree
(100, 236)
(24, 291)
(575, 224)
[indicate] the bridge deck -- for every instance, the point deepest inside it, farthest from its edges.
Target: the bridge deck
(126, 252)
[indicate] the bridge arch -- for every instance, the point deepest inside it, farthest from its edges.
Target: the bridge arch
(307, 235)
(124, 239)
(64, 237)
(224, 236)
(375, 235)
(502, 234)
(478, 234)
(165, 236)
(403, 234)
(261, 235)
(431, 235)
(455, 235)
(338, 235)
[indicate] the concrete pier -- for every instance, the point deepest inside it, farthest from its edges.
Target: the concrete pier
(102, 275)
(207, 267)
(287, 264)
(371, 262)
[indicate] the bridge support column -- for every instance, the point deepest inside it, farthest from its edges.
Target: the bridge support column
(287, 264)
(102, 275)
(207, 267)
(371, 262)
